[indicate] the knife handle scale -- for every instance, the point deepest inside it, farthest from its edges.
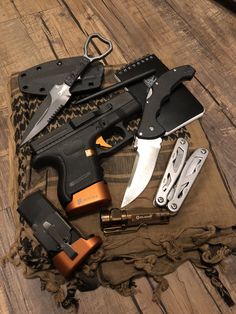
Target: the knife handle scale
(79, 69)
(161, 90)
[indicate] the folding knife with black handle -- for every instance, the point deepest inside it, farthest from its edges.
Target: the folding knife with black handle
(154, 125)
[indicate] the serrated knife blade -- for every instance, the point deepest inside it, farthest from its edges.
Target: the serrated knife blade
(57, 98)
(60, 94)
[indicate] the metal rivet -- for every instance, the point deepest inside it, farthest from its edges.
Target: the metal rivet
(174, 70)
(160, 199)
(151, 128)
(203, 151)
(147, 102)
(140, 133)
(173, 206)
(182, 142)
(156, 83)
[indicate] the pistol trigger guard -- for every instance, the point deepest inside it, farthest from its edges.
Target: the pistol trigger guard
(127, 137)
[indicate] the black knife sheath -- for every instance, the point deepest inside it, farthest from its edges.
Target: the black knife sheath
(40, 79)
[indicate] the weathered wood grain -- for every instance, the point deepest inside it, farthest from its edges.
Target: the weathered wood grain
(228, 268)
(201, 33)
(26, 7)
(104, 300)
(144, 297)
(8, 11)
(214, 294)
(188, 292)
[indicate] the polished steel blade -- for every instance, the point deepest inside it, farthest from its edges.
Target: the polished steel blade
(144, 164)
(57, 98)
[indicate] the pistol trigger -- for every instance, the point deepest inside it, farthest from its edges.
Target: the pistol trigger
(102, 143)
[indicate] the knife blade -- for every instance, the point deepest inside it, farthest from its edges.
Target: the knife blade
(150, 130)
(60, 94)
(56, 99)
(144, 164)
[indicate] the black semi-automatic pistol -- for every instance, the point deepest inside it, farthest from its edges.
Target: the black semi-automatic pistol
(74, 151)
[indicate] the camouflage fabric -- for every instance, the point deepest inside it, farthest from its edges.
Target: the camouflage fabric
(201, 232)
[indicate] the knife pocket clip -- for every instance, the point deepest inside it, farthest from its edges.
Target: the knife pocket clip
(62, 242)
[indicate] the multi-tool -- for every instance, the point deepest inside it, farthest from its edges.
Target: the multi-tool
(179, 176)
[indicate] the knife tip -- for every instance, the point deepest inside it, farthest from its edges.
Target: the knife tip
(24, 140)
(22, 143)
(123, 204)
(126, 201)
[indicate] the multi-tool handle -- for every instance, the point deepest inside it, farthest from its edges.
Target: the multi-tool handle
(189, 174)
(173, 169)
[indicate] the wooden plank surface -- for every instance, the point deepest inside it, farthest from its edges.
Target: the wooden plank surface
(201, 33)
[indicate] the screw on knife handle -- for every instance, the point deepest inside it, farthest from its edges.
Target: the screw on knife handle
(161, 90)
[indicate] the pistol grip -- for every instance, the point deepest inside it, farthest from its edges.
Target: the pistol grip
(77, 166)
(94, 196)
(83, 247)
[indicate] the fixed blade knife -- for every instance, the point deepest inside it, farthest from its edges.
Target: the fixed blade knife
(150, 132)
(60, 94)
